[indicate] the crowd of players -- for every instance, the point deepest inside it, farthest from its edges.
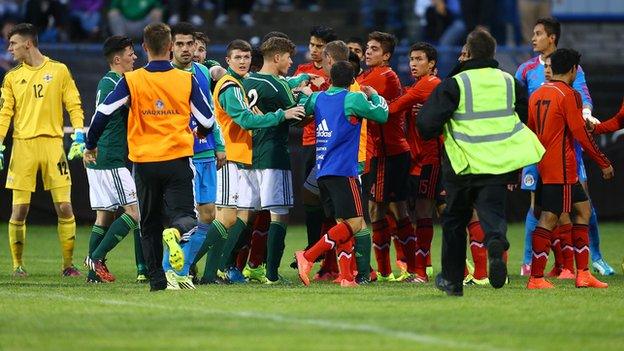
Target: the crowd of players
(366, 165)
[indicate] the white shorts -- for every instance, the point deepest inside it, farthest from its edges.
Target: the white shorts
(311, 184)
(111, 188)
(265, 189)
(228, 185)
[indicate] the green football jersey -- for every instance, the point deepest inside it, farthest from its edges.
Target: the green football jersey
(270, 145)
(113, 146)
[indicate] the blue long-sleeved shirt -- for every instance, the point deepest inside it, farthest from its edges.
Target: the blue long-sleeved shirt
(200, 108)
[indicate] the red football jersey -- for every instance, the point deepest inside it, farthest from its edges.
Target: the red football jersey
(389, 138)
(422, 151)
(309, 131)
(555, 115)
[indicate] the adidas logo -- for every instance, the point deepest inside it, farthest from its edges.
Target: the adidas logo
(23, 81)
(322, 130)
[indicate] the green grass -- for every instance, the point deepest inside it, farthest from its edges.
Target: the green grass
(47, 312)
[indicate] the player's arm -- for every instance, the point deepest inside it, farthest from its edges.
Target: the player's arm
(71, 100)
(574, 119)
(522, 101)
(233, 100)
(410, 97)
(612, 124)
(296, 80)
(580, 85)
(7, 104)
(103, 114)
(438, 109)
(200, 108)
(373, 108)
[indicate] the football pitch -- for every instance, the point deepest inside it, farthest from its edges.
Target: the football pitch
(47, 312)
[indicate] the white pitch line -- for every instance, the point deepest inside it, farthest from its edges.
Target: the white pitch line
(278, 318)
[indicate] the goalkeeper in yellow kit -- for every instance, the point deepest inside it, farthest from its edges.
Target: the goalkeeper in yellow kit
(33, 94)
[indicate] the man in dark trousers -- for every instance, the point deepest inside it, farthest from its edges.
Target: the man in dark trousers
(480, 111)
(160, 143)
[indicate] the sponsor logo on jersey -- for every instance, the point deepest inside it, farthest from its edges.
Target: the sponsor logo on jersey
(160, 110)
(322, 130)
(23, 81)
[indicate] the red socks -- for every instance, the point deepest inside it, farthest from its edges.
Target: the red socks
(541, 247)
(339, 234)
(478, 250)
(407, 240)
(567, 251)
(346, 259)
(329, 264)
(424, 235)
(259, 237)
(580, 237)
(381, 245)
(555, 246)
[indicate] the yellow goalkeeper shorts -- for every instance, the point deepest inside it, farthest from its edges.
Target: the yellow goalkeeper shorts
(28, 156)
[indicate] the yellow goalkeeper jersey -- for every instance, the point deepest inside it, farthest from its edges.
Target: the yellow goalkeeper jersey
(34, 97)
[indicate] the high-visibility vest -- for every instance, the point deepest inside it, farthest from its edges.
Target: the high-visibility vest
(160, 111)
(485, 135)
(237, 140)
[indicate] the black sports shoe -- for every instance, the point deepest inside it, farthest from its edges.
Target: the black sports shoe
(360, 280)
(449, 288)
(497, 268)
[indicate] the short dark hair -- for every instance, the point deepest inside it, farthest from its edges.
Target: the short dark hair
(274, 34)
(358, 41)
(277, 45)
(157, 37)
(324, 33)
(355, 62)
(388, 41)
(337, 50)
(183, 28)
(342, 74)
(257, 60)
(480, 44)
(115, 45)
(201, 36)
(237, 44)
(551, 27)
(563, 60)
(25, 30)
(429, 50)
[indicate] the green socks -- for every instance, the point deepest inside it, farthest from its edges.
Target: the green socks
(230, 244)
(363, 253)
(215, 238)
(115, 233)
(97, 234)
(138, 252)
(275, 249)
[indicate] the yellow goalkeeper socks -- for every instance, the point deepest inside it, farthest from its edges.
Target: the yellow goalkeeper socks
(67, 237)
(17, 239)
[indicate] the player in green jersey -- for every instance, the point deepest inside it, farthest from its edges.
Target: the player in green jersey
(268, 184)
(110, 184)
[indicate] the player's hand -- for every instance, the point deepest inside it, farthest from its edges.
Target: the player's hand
(78, 146)
(296, 113)
(220, 159)
(317, 81)
(368, 90)
(512, 187)
(590, 126)
(608, 173)
(89, 157)
(587, 116)
(2, 148)
(307, 91)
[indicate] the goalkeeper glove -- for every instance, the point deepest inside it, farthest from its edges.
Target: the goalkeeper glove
(2, 147)
(78, 146)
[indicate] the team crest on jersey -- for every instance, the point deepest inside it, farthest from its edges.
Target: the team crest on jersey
(160, 104)
(47, 78)
(529, 180)
(322, 130)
